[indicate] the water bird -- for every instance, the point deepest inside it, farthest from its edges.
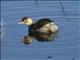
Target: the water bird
(43, 30)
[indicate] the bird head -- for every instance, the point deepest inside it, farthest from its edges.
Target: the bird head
(26, 20)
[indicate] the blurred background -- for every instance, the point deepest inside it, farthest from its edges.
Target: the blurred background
(64, 13)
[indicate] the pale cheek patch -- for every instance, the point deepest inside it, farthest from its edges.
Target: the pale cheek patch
(29, 21)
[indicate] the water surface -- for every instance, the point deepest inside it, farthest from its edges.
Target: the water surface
(65, 47)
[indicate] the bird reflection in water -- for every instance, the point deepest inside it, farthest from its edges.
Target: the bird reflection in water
(44, 30)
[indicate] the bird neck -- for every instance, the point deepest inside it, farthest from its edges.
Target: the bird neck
(31, 25)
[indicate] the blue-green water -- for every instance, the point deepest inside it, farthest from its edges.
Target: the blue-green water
(65, 47)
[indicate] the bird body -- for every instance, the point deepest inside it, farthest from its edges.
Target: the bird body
(44, 25)
(43, 30)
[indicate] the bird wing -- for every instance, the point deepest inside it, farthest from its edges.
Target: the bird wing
(47, 28)
(42, 22)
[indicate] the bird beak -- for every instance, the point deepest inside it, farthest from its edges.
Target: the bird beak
(19, 22)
